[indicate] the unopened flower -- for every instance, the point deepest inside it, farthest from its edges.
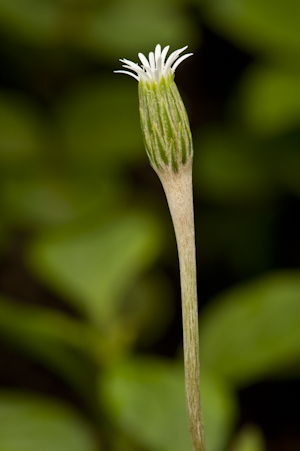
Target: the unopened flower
(168, 142)
(164, 121)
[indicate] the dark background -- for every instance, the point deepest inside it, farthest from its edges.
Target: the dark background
(89, 277)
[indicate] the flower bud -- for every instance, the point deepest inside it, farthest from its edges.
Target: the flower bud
(165, 125)
(164, 121)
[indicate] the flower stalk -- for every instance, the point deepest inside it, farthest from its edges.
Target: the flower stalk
(168, 142)
(179, 193)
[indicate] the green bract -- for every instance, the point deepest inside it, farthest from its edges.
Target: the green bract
(165, 124)
(164, 121)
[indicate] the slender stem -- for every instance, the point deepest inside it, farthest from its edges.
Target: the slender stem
(179, 193)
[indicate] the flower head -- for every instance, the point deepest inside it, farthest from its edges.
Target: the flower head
(156, 67)
(164, 121)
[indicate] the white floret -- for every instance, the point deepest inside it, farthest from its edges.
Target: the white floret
(153, 68)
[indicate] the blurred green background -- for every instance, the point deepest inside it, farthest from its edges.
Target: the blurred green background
(90, 319)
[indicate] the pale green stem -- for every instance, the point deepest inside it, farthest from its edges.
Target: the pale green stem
(179, 193)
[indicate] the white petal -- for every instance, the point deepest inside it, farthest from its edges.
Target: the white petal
(139, 71)
(130, 63)
(159, 65)
(157, 52)
(136, 69)
(144, 60)
(152, 60)
(157, 75)
(155, 67)
(164, 54)
(176, 64)
(150, 72)
(127, 73)
(145, 77)
(173, 57)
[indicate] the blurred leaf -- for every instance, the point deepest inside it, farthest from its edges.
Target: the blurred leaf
(38, 201)
(146, 398)
(42, 322)
(35, 21)
(49, 198)
(220, 410)
(93, 267)
(100, 124)
(271, 26)
(253, 330)
(250, 438)
(54, 339)
(229, 167)
(271, 100)
(106, 29)
(20, 131)
(149, 308)
(123, 28)
(32, 423)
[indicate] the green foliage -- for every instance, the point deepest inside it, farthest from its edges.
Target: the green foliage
(34, 20)
(88, 258)
(229, 169)
(94, 266)
(20, 132)
(262, 26)
(31, 423)
(146, 396)
(270, 100)
(106, 29)
(90, 134)
(220, 409)
(250, 438)
(253, 330)
(113, 27)
(55, 340)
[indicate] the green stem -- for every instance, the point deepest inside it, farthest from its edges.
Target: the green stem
(179, 193)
